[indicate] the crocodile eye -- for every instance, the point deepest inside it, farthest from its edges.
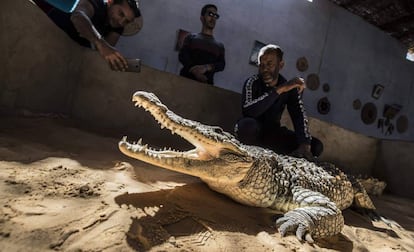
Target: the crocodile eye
(233, 157)
(218, 130)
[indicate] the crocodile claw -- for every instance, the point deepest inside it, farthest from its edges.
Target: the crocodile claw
(292, 222)
(302, 232)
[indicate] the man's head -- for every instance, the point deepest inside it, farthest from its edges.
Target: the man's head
(122, 12)
(270, 60)
(209, 16)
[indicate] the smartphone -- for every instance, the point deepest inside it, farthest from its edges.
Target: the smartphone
(134, 65)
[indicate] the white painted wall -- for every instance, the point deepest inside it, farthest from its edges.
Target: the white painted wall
(345, 51)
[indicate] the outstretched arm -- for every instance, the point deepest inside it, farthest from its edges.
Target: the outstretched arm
(81, 19)
(294, 83)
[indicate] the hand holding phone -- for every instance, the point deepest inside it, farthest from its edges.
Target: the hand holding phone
(134, 65)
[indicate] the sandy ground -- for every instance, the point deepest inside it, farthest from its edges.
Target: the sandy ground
(66, 189)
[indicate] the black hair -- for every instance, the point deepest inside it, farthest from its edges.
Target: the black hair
(270, 49)
(205, 7)
(133, 4)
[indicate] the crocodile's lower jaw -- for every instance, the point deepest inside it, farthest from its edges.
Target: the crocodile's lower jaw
(212, 146)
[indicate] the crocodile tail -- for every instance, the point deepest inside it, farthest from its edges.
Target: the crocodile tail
(364, 205)
(361, 197)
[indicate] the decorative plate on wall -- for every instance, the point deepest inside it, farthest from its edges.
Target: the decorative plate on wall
(312, 82)
(402, 124)
(324, 106)
(369, 113)
(302, 64)
(326, 87)
(356, 104)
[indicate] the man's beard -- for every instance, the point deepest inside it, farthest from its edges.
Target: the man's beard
(210, 25)
(268, 77)
(114, 24)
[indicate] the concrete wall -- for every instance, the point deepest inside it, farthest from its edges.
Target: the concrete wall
(345, 51)
(103, 99)
(38, 70)
(43, 70)
(394, 164)
(352, 152)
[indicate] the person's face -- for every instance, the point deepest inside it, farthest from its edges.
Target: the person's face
(209, 19)
(269, 67)
(120, 15)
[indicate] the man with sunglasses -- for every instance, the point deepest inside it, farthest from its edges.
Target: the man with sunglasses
(98, 24)
(264, 98)
(201, 55)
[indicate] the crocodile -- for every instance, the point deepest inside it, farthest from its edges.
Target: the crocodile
(310, 195)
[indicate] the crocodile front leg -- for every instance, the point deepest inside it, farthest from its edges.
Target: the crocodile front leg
(317, 216)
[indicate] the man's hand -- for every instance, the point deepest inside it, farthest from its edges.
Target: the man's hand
(303, 151)
(296, 82)
(116, 61)
(199, 72)
(81, 19)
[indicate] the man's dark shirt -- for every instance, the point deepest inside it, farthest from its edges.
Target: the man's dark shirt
(263, 103)
(201, 49)
(99, 20)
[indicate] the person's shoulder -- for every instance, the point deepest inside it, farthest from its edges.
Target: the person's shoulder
(252, 79)
(87, 7)
(195, 35)
(99, 3)
(190, 36)
(218, 43)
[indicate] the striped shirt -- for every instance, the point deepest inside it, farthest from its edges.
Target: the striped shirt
(263, 103)
(201, 49)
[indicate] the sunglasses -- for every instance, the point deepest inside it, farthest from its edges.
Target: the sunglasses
(212, 14)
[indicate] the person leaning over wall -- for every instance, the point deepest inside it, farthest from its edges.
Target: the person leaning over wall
(96, 24)
(201, 54)
(264, 97)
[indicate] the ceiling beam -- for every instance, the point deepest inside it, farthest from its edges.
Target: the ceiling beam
(351, 3)
(405, 34)
(397, 22)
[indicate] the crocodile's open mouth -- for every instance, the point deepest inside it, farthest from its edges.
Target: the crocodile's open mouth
(210, 142)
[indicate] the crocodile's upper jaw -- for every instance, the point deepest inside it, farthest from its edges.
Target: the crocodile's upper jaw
(214, 154)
